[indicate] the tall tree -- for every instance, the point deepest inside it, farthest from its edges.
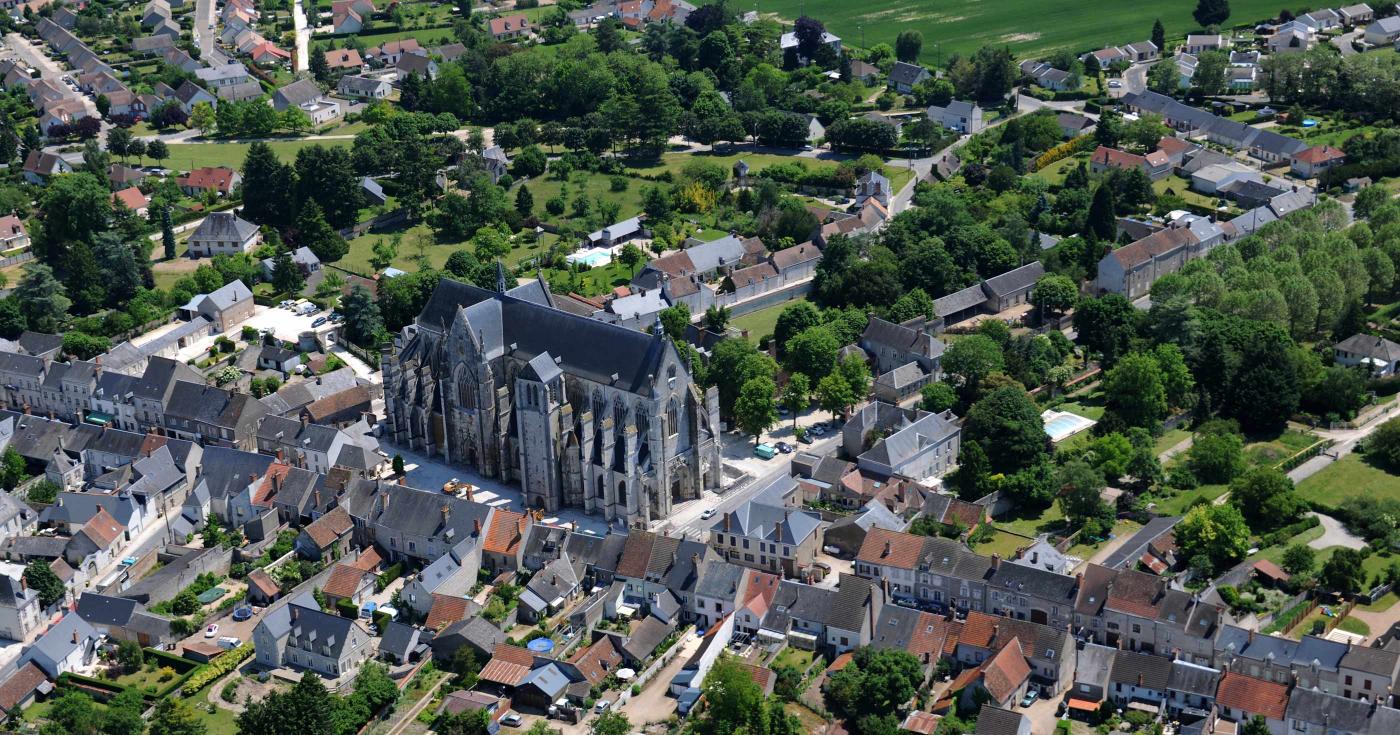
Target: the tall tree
(174, 717)
(907, 46)
(756, 410)
(363, 324)
(286, 274)
(268, 186)
(1134, 394)
(167, 232)
(327, 176)
(1159, 36)
(1102, 223)
(307, 709)
(796, 395)
(42, 299)
(313, 231)
(1007, 425)
(1211, 12)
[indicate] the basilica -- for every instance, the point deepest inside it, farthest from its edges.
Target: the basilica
(580, 413)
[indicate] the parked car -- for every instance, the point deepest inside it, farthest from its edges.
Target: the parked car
(602, 706)
(229, 642)
(1115, 84)
(832, 550)
(511, 720)
(784, 447)
(1030, 698)
(707, 514)
(319, 321)
(212, 630)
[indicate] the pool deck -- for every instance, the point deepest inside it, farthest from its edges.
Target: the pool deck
(1076, 424)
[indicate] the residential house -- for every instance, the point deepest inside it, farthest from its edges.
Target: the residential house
(1092, 665)
(424, 66)
(1378, 354)
(1155, 164)
(1049, 652)
(69, 644)
(1355, 15)
(550, 590)
(389, 53)
(788, 42)
(770, 537)
(299, 635)
(1311, 162)
(13, 237)
(1108, 57)
(1001, 721)
(1191, 690)
(509, 26)
(326, 537)
(1197, 44)
(916, 444)
(1368, 673)
(223, 233)
(39, 166)
(893, 345)
(1312, 712)
(959, 116)
(20, 613)
(363, 88)
(1325, 19)
(505, 537)
(220, 179)
(214, 416)
(132, 198)
(348, 582)
(306, 95)
(904, 77)
(345, 19)
(926, 570)
(1001, 680)
(347, 59)
(1139, 678)
(124, 619)
(225, 308)
(222, 75)
(268, 54)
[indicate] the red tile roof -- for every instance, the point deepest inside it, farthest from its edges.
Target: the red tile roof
(891, 549)
(1319, 154)
(325, 530)
(346, 580)
(1253, 696)
(260, 579)
(1006, 671)
(368, 560)
(347, 58)
(505, 533)
(446, 610)
(131, 198)
(103, 529)
(218, 178)
(508, 665)
(598, 660)
(1105, 156)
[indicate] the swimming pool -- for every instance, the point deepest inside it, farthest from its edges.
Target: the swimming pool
(1060, 425)
(592, 257)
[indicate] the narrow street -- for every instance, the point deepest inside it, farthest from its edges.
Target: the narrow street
(303, 30)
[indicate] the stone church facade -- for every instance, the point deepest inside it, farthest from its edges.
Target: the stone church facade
(578, 412)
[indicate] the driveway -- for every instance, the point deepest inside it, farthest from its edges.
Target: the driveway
(204, 28)
(1343, 42)
(654, 704)
(1335, 534)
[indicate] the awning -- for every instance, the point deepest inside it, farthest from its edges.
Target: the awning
(1083, 704)
(99, 418)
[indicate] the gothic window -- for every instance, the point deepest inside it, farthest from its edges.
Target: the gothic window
(466, 396)
(672, 425)
(602, 488)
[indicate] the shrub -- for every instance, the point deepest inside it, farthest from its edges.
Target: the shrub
(347, 608)
(230, 690)
(221, 665)
(166, 674)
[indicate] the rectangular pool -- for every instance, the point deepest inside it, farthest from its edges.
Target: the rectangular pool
(1061, 425)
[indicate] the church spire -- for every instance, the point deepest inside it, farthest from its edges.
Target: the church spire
(500, 277)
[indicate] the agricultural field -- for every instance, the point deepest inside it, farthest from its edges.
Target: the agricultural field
(1026, 26)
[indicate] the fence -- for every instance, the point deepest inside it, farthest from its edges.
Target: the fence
(1303, 455)
(398, 216)
(23, 257)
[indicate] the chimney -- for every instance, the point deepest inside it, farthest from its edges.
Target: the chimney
(468, 489)
(403, 481)
(23, 583)
(886, 552)
(996, 562)
(277, 482)
(75, 637)
(279, 455)
(305, 419)
(726, 523)
(384, 501)
(252, 478)
(446, 513)
(476, 526)
(315, 498)
(1251, 637)
(1078, 582)
(554, 580)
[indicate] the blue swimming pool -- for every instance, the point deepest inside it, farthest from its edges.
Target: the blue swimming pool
(593, 257)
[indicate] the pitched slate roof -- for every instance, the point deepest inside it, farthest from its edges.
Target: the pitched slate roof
(903, 73)
(1141, 669)
(224, 226)
(1378, 348)
(1336, 713)
(399, 639)
(1193, 679)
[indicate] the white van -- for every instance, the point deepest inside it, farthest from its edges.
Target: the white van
(229, 642)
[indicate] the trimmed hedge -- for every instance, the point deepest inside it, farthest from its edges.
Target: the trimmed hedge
(1288, 532)
(220, 666)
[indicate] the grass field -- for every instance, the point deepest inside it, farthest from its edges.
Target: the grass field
(186, 156)
(1121, 529)
(597, 187)
(1003, 543)
(1181, 502)
(1028, 27)
(1031, 524)
(1347, 477)
(674, 162)
(760, 323)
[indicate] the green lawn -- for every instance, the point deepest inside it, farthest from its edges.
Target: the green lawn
(1347, 477)
(185, 156)
(674, 162)
(1056, 172)
(1182, 188)
(1121, 529)
(1090, 406)
(1028, 27)
(362, 249)
(1353, 625)
(1170, 439)
(1275, 553)
(1003, 543)
(794, 657)
(1181, 502)
(1271, 452)
(759, 324)
(425, 36)
(597, 187)
(1031, 524)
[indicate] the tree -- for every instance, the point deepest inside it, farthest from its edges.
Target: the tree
(796, 394)
(307, 709)
(1007, 426)
(971, 359)
(1106, 325)
(794, 318)
(1055, 293)
(1216, 532)
(12, 470)
(810, 35)
(363, 323)
(1159, 35)
(875, 682)
(1134, 395)
(43, 580)
(384, 252)
(1383, 446)
(286, 274)
(1164, 78)
(167, 232)
(1256, 725)
(834, 394)
(119, 142)
(674, 321)
(1343, 573)
(327, 176)
(268, 186)
(42, 299)
(734, 700)
(158, 150)
(812, 353)
(524, 201)
(313, 231)
(717, 318)
(611, 722)
(907, 46)
(1102, 223)
(856, 374)
(202, 117)
(1211, 12)
(1216, 454)
(85, 346)
(755, 409)
(1081, 500)
(631, 256)
(1267, 499)
(466, 722)
(1209, 77)
(938, 397)
(173, 717)
(1299, 560)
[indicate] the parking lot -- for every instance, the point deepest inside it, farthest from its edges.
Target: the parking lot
(285, 324)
